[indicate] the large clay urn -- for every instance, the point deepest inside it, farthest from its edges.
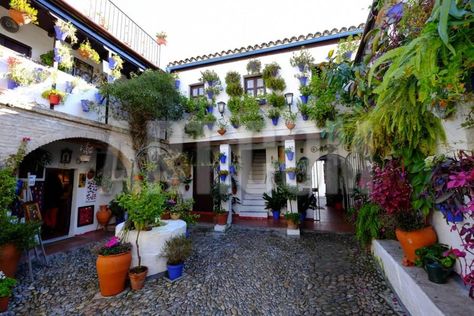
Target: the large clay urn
(112, 272)
(410, 241)
(103, 215)
(9, 258)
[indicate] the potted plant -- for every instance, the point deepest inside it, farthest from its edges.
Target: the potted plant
(302, 60)
(275, 202)
(210, 77)
(181, 208)
(22, 12)
(222, 127)
(290, 119)
(305, 110)
(54, 96)
(63, 56)
(6, 290)
(86, 151)
(223, 174)
(113, 262)
(144, 206)
(161, 38)
(291, 173)
(438, 261)
(177, 82)
(274, 115)
(194, 128)
(254, 66)
(305, 93)
(290, 153)
(176, 251)
(87, 52)
(210, 120)
(222, 157)
(116, 66)
(65, 30)
(18, 74)
(103, 215)
(85, 104)
(303, 78)
(292, 220)
(235, 121)
(220, 193)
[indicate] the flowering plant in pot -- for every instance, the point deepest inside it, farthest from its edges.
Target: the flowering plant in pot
(290, 119)
(291, 173)
(18, 74)
(303, 60)
(220, 193)
(144, 206)
(438, 260)
(22, 12)
(274, 114)
(290, 153)
(87, 52)
(113, 262)
(116, 65)
(181, 208)
(65, 30)
(63, 55)
(223, 174)
(6, 290)
(161, 38)
(222, 127)
(293, 220)
(54, 96)
(176, 251)
(275, 201)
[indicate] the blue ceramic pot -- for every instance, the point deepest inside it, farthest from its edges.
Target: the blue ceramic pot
(223, 177)
(304, 99)
(303, 80)
(290, 155)
(112, 63)
(175, 271)
(305, 117)
(301, 68)
(210, 94)
(57, 57)
(282, 167)
(69, 87)
(275, 121)
(85, 105)
(276, 214)
(235, 126)
(60, 35)
(223, 158)
(262, 101)
(210, 109)
(11, 84)
(188, 234)
(99, 99)
(177, 83)
(210, 125)
(292, 175)
(232, 169)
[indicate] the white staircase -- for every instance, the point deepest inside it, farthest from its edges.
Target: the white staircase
(252, 204)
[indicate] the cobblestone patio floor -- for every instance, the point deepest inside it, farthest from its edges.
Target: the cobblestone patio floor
(242, 272)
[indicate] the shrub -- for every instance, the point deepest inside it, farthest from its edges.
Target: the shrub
(177, 250)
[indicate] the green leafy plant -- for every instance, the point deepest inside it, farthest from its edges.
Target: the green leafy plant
(210, 76)
(305, 90)
(6, 285)
(276, 100)
(321, 112)
(234, 87)
(220, 193)
(302, 59)
(289, 117)
(177, 250)
(272, 78)
(294, 217)
(276, 200)
(194, 128)
(435, 253)
(304, 109)
(251, 116)
(113, 246)
(368, 224)
(273, 113)
(254, 66)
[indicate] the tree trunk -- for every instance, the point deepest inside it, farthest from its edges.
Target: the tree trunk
(138, 126)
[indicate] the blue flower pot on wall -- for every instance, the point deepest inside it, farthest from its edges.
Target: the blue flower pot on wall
(223, 158)
(449, 215)
(188, 234)
(303, 80)
(210, 83)
(304, 99)
(11, 84)
(99, 99)
(282, 167)
(305, 117)
(210, 125)
(112, 63)
(290, 155)
(275, 121)
(175, 271)
(210, 109)
(210, 94)
(302, 217)
(69, 87)
(301, 67)
(276, 214)
(177, 83)
(292, 175)
(235, 125)
(57, 57)
(232, 169)
(60, 35)
(85, 105)
(223, 177)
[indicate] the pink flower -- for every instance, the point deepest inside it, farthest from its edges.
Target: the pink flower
(460, 179)
(25, 139)
(456, 252)
(114, 241)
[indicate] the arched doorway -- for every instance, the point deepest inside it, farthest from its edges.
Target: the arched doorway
(70, 179)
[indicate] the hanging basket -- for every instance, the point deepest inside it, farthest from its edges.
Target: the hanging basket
(19, 17)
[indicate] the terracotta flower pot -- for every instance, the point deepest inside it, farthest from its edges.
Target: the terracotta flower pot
(290, 125)
(54, 99)
(84, 53)
(410, 241)
(9, 258)
(19, 17)
(137, 279)
(4, 304)
(221, 218)
(165, 215)
(221, 131)
(291, 225)
(175, 216)
(103, 215)
(174, 181)
(112, 272)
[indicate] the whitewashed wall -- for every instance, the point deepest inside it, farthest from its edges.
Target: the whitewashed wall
(189, 77)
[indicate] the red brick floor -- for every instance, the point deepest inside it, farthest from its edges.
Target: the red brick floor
(76, 241)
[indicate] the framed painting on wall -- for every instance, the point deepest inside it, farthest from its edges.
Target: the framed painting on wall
(32, 212)
(85, 215)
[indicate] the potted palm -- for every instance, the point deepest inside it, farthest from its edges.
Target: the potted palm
(113, 262)
(22, 12)
(176, 251)
(275, 202)
(292, 220)
(6, 289)
(274, 115)
(290, 119)
(144, 206)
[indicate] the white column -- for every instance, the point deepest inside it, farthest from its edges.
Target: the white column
(292, 205)
(226, 150)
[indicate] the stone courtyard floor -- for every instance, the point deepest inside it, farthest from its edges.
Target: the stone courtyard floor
(242, 272)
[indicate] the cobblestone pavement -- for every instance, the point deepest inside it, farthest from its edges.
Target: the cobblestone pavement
(242, 272)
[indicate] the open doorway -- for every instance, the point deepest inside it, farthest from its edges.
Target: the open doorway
(56, 208)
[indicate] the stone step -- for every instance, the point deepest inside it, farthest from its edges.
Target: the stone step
(253, 196)
(254, 202)
(256, 181)
(256, 186)
(255, 191)
(254, 214)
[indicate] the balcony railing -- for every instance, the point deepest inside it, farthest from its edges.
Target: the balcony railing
(108, 16)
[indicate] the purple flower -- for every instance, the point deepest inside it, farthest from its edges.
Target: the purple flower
(395, 13)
